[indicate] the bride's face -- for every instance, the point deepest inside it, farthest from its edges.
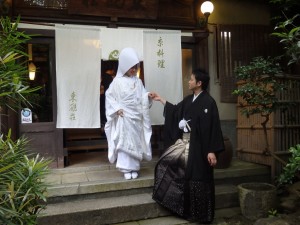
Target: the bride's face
(132, 71)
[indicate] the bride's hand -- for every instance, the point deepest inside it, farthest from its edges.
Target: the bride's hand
(120, 112)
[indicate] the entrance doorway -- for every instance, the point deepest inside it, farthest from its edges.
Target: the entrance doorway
(88, 147)
(44, 138)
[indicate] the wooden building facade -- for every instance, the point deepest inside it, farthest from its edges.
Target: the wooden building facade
(235, 44)
(44, 137)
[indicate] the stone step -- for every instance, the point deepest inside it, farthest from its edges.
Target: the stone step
(221, 218)
(100, 194)
(103, 179)
(102, 210)
(119, 209)
(98, 183)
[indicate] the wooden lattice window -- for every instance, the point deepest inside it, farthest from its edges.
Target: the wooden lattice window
(237, 45)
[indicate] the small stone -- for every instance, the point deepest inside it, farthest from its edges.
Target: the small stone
(288, 206)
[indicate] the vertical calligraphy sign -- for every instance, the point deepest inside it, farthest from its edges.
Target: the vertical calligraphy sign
(160, 53)
(77, 76)
(72, 106)
(163, 68)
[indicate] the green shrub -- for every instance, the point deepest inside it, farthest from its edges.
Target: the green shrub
(287, 28)
(261, 82)
(291, 171)
(22, 186)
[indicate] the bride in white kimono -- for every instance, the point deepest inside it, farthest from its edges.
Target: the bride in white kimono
(128, 127)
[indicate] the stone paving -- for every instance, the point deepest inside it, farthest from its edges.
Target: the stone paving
(80, 177)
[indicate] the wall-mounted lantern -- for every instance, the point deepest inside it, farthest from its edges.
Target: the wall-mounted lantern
(206, 8)
(31, 66)
(32, 70)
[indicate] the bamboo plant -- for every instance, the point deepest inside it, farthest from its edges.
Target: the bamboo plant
(22, 172)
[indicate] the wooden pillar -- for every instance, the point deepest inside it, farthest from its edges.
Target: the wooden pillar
(201, 50)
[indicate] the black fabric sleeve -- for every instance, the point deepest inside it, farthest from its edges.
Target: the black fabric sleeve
(216, 143)
(172, 114)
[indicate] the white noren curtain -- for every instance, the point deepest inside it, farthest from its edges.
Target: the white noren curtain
(162, 68)
(78, 76)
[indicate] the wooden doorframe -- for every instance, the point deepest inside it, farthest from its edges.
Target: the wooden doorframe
(199, 45)
(44, 138)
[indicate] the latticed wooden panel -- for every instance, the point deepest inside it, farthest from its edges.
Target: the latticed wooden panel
(283, 129)
(251, 122)
(287, 122)
(237, 45)
(251, 144)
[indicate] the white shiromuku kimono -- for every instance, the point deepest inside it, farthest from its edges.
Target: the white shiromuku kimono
(128, 136)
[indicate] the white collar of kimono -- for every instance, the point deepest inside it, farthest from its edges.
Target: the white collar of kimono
(195, 96)
(127, 59)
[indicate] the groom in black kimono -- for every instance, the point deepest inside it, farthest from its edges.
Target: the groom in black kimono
(190, 194)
